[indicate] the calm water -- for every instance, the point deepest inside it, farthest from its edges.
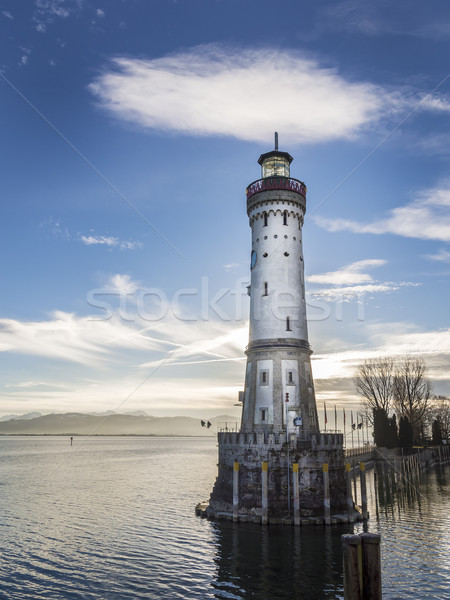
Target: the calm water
(113, 518)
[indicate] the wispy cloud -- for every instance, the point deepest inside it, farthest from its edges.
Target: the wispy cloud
(34, 384)
(70, 337)
(57, 8)
(55, 227)
(348, 275)
(358, 291)
(442, 256)
(111, 241)
(351, 282)
(7, 15)
(230, 267)
(427, 218)
(47, 12)
(334, 371)
(382, 18)
(195, 92)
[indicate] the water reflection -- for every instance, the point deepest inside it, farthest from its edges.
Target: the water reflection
(410, 511)
(276, 562)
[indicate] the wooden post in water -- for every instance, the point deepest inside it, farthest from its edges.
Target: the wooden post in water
(326, 494)
(353, 577)
(348, 484)
(362, 566)
(362, 479)
(235, 491)
(264, 504)
(296, 494)
(371, 566)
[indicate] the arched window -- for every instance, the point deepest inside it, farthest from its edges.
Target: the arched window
(285, 216)
(265, 219)
(288, 324)
(266, 289)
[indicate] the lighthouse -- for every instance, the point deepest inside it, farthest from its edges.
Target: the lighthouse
(279, 467)
(279, 390)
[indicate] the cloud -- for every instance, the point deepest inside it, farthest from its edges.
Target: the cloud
(56, 8)
(7, 15)
(212, 91)
(170, 365)
(71, 338)
(111, 241)
(100, 13)
(358, 291)
(442, 256)
(427, 218)
(47, 11)
(55, 227)
(123, 284)
(350, 282)
(230, 267)
(334, 371)
(33, 384)
(383, 18)
(348, 275)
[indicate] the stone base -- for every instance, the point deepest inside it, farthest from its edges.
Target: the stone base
(203, 510)
(250, 450)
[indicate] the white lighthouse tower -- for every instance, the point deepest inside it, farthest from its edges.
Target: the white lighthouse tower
(279, 390)
(273, 469)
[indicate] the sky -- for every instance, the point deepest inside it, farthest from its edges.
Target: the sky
(130, 130)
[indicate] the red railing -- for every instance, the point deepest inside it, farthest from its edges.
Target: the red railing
(276, 183)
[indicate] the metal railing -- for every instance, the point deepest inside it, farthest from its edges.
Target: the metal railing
(359, 450)
(276, 183)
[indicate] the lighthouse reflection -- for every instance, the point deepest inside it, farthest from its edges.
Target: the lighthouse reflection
(279, 563)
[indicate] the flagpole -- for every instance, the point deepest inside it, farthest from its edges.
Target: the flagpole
(335, 418)
(357, 425)
(343, 410)
(353, 429)
(325, 414)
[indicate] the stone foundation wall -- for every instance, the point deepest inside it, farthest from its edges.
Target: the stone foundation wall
(251, 450)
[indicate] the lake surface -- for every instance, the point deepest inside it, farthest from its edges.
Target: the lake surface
(113, 518)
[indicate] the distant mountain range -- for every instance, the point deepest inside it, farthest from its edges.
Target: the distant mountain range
(111, 424)
(31, 415)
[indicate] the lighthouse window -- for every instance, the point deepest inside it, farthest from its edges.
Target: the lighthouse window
(286, 253)
(265, 219)
(285, 217)
(276, 165)
(266, 289)
(290, 377)
(263, 414)
(288, 324)
(264, 378)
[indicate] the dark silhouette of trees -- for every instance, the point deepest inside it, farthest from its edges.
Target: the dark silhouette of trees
(440, 409)
(437, 432)
(385, 429)
(405, 433)
(401, 386)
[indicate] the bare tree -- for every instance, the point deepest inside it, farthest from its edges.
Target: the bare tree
(440, 409)
(374, 381)
(412, 392)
